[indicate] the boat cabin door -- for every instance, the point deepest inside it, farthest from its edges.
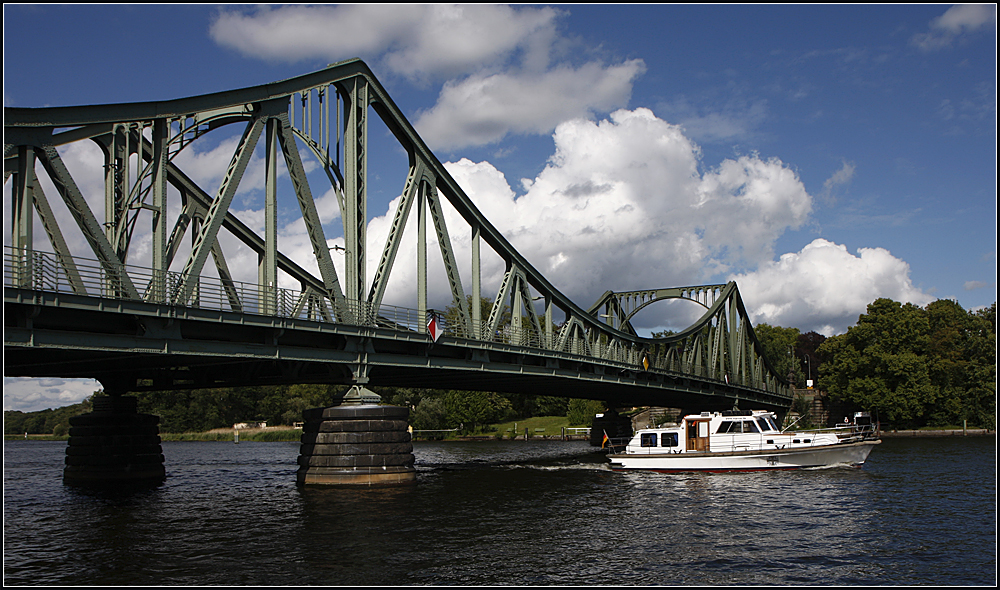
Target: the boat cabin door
(697, 435)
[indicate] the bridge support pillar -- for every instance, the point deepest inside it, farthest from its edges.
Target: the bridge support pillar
(114, 445)
(612, 424)
(356, 443)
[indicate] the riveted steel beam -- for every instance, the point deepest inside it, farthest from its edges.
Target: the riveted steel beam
(414, 180)
(719, 346)
(314, 227)
(117, 279)
(217, 211)
(356, 91)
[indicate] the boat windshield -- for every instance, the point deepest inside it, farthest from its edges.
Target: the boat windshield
(737, 426)
(764, 425)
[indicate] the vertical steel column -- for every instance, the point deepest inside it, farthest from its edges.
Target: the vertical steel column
(268, 265)
(157, 291)
(23, 220)
(355, 189)
(733, 336)
(477, 287)
(422, 255)
(548, 323)
(112, 173)
(516, 308)
(205, 240)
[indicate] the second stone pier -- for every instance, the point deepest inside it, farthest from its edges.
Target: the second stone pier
(356, 445)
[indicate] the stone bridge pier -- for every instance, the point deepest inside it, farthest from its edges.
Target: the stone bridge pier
(114, 445)
(356, 443)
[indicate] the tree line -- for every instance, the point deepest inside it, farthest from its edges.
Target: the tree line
(913, 366)
(199, 410)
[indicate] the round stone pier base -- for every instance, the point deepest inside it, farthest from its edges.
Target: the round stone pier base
(114, 445)
(356, 445)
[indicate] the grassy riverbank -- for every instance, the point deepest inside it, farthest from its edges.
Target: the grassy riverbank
(538, 427)
(273, 434)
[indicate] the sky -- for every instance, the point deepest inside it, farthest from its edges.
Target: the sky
(822, 156)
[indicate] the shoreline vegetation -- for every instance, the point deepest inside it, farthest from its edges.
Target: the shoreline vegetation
(287, 434)
(918, 370)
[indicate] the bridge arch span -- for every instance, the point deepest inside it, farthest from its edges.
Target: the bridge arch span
(162, 327)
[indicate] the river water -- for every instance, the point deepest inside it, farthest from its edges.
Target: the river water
(919, 512)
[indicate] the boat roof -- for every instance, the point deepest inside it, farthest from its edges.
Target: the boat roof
(730, 414)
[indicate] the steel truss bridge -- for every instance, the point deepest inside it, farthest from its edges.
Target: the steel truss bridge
(178, 321)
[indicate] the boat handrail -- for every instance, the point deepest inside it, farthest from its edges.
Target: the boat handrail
(863, 431)
(856, 433)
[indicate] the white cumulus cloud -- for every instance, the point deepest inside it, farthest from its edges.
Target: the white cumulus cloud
(32, 395)
(959, 20)
(498, 63)
(824, 288)
(482, 109)
(622, 206)
(416, 41)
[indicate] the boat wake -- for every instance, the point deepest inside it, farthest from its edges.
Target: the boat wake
(832, 466)
(568, 467)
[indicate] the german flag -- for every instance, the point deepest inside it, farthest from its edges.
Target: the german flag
(603, 442)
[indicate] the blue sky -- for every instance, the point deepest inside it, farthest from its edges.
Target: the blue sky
(822, 156)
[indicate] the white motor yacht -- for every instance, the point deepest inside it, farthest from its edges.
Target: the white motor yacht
(744, 440)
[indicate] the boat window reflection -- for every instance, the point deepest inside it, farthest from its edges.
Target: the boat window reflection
(668, 439)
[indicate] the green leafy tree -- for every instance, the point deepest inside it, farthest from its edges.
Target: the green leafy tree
(406, 397)
(298, 398)
(778, 347)
(962, 364)
(430, 413)
(471, 410)
(524, 406)
(581, 412)
(452, 315)
(807, 354)
(49, 421)
(881, 363)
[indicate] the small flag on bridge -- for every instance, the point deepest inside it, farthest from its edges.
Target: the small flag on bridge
(645, 362)
(433, 326)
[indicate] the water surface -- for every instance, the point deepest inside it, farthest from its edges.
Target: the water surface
(920, 512)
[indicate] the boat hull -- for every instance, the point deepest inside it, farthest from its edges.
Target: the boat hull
(853, 454)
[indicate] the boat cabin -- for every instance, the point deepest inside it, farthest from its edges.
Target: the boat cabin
(729, 431)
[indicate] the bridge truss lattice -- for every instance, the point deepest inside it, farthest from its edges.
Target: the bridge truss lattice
(161, 279)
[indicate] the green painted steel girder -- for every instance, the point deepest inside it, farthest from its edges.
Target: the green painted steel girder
(720, 348)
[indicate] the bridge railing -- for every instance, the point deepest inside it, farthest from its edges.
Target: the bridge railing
(48, 272)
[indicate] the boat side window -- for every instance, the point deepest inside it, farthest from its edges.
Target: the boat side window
(647, 439)
(727, 426)
(668, 439)
(764, 427)
(750, 426)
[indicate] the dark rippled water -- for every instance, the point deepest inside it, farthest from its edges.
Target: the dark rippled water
(920, 512)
